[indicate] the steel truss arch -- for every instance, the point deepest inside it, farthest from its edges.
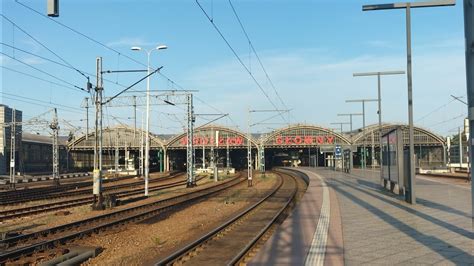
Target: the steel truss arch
(128, 137)
(423, 137)
(320, 136)
(178, 141)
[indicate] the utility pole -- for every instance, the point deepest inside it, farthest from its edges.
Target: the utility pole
(86, 105)
(227, 154)
(249, 152)
(55, 127)
(340, 123)
(97, 178)
(469, 37)
(249, 142)
(309, 156)
(189, 147)
(216, 159)
(203, 156)
(213, 167)
(350, 117)
(363, 101)
(411, 195)
(379, 111)
(460, 147)
(116, 151)
(134, 116)
(140, 163)
(12, 150)
(373, 149)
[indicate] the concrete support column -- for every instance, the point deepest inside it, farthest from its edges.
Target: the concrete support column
(166, 161)
(256, 161)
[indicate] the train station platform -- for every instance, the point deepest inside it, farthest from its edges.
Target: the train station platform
(363, 224)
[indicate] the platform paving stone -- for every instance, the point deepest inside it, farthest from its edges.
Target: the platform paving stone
(379, 228)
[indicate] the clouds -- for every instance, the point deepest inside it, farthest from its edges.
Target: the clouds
(316, 84)
(19, 60)
(381, 44)
(127, 42)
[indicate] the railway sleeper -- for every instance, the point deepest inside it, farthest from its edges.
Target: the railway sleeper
(138, 216)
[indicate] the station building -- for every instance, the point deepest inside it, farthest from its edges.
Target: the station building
(37, 154)
(7, 116)
(294, 145)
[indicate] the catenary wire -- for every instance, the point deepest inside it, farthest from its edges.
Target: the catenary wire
(256, 55)
(109, 48)
(44, 72)
(237, 56)
(43, 45)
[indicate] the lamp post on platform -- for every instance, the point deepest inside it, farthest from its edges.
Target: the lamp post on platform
(147, 127)
(469, 33)
(408, 6)
(363, 101)
(350, 118)
(340, 123)
(379, 99)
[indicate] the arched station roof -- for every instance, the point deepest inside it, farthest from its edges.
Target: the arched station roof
(127, 137)
(422, 137)
(206, 136)
(304, 135)
(297, 135)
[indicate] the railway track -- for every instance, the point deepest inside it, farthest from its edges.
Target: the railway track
(25, 191)
(233, 241)
(69, 190)
(47, 207)
(25, 247)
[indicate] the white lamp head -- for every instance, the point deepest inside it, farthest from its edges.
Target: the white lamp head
(161, 47)
(136, 48)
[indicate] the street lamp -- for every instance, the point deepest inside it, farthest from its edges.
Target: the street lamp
(379, 99)
(469, 37)
(407, 6)
(147, 127)
(363, 125)
(340, 123)
(350, 121)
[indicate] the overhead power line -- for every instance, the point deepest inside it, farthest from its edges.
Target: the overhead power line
(108, 48)
(42, 105)
(448, 120)
(40, 101)
(80, 33)
(435, 110)
(43, 45)
(256, 55)
(38, 78)
(61, 64)
(237, 56)
(44, 72)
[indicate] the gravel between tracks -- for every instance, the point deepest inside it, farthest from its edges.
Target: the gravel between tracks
(144, 243)
(38, 222)
(105, 185)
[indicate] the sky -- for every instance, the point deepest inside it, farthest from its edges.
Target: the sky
(309, 49)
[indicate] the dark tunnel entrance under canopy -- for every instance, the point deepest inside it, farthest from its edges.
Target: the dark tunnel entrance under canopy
(301, 145)
(216, 140)
(237, 158)
(312, 157)
(430, 149)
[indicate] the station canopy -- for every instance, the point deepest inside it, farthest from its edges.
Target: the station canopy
(293, 136)
(121, 136)
(212, 135)
(302, 135)
(422, 137)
